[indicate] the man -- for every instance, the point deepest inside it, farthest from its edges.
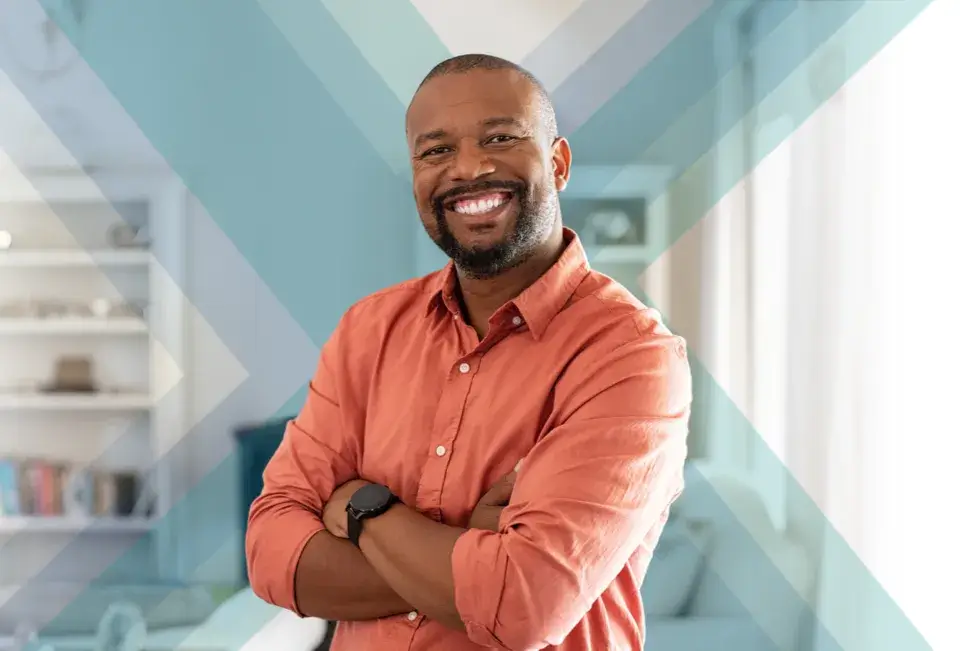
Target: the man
(487, 455)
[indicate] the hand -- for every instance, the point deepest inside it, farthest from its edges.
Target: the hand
(486, 515)
(335, 510)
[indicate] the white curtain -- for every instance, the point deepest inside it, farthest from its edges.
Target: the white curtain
(900, 190)
(854, 388)
(843, 252)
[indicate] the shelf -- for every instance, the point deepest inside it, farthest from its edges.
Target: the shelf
(73, 524)
(75, 401)
(628, 254)
(72, 326)
(62, 257)
(74, 258)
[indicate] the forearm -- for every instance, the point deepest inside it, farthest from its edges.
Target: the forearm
(413, 555)
(335, 582)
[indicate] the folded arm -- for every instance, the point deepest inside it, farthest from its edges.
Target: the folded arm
(335, 582)
(586, 498)
(293, 562)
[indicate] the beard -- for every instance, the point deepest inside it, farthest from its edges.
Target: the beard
(535, 220)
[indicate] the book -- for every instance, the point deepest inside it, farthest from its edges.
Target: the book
(41, 487)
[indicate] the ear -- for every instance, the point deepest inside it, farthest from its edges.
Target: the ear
(561, 163)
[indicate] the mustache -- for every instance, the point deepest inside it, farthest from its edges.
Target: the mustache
(513, 187)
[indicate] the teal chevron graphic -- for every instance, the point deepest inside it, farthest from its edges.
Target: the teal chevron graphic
(284, 120)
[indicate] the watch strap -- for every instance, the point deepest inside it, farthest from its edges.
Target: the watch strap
(354, 527)
(355, 519)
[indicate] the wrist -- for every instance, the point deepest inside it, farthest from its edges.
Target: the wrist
(334, 513)
(367, 503)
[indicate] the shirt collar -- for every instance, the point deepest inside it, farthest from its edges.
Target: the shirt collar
(539, 302)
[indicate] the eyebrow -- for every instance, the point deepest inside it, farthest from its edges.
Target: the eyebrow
(440, 134)
(423, 138)
(504, 122)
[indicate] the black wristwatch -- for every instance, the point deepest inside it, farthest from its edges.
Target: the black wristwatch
(367, 502)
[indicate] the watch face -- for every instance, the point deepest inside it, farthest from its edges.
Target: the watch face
(370, 498)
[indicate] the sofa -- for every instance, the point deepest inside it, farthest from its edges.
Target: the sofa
(242, 622)
(724, 577)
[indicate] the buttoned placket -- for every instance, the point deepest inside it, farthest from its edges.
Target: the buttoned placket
(451, 405)
(446, 425)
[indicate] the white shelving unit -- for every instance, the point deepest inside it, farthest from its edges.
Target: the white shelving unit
(61, 254)
(641, 183)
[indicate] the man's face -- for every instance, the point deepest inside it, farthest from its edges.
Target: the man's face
(485, 171)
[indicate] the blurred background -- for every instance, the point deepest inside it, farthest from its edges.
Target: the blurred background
(192, 193)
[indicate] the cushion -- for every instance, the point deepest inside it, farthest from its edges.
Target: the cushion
(707, 634)
(674, 569)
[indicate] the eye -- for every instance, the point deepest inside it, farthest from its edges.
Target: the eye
(435, 151)
(501, 139)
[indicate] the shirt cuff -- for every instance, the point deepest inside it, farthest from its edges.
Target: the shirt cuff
(479, 571)
(279, 556)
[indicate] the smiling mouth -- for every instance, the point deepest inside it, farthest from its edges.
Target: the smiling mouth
(479, 204)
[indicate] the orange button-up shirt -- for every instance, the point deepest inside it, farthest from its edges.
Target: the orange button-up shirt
(575, 377)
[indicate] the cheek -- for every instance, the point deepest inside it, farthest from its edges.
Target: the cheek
(423, 189)
(425, 209)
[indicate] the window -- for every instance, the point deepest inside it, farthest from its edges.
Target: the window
(769, 208)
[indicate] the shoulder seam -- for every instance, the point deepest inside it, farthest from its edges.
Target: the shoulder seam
(609, 301)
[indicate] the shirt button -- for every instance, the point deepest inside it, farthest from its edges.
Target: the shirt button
(441, 450)
(412, 615)
(517, 320)
(464, 368)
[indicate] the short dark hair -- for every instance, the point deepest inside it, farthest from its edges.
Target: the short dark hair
(467, 62)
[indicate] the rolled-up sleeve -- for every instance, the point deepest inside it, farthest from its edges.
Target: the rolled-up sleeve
(587, 496)
(318, 454)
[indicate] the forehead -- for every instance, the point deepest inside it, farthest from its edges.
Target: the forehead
(461, 100)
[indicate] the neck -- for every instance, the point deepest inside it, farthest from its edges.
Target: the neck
(484, 296)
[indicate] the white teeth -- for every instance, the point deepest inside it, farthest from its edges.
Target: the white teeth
(478, 207)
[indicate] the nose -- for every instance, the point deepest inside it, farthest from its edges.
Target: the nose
(471, 163)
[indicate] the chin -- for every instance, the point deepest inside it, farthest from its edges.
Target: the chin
(487, 260)
(479, 241)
